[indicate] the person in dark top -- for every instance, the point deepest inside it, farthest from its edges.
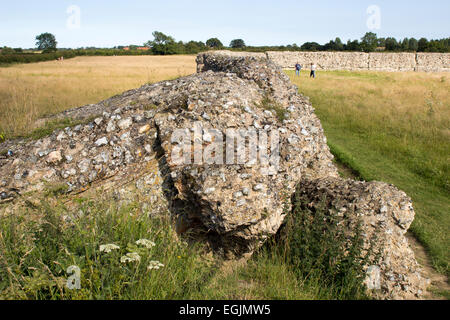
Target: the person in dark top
(313, 70)
(298, 67)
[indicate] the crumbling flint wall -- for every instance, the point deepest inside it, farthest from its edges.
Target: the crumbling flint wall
(125, 146)
(376, 61)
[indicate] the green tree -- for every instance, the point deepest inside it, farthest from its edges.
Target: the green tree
(162, 44)
(194, 47)
(330, 46)
(46, 42)
(405, 44)
(335, 45)
(237, 44)
(178, 48)
(353, 45)
(369, 42)
(438, 46)
(339, 44)
(413, 44)
(422, 45)
(311, 46)
(214, 43)
(391, 44)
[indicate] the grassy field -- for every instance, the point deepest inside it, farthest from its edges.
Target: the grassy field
(30, 91)
(393, 127)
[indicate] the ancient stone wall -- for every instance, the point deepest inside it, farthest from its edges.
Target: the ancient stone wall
(380, 61)
(323, 60)
(433, 62)
(377, 61)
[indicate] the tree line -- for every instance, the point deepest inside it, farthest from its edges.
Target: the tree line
(163, 44)
(371, 43)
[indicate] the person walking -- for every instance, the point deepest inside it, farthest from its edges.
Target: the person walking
(298, 68)
(313, 70)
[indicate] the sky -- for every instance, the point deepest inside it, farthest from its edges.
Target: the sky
(108, 23)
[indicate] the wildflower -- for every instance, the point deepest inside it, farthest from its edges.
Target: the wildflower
(130, 257)
(108, 247)
(146, 243)
(155, 265)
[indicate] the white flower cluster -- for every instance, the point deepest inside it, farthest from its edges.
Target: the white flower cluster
(155, 265)
(133, 256)
(130, 257)
(107, 248)
(146, 243)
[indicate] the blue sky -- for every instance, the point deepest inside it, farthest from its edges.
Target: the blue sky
(107, 23)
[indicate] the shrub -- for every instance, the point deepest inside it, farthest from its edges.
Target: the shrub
(35, 57)
(51, 126)
(268, 103)
(321, 248)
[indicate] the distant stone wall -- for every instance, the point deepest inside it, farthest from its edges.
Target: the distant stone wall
(323, 60)
(377, 61)
(433, 62)
(380, 61)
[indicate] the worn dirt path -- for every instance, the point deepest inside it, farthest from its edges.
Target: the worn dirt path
(439, 282)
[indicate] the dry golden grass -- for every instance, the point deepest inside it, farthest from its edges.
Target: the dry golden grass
(31, 91)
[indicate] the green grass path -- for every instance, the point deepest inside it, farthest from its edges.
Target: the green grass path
(394, 128)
